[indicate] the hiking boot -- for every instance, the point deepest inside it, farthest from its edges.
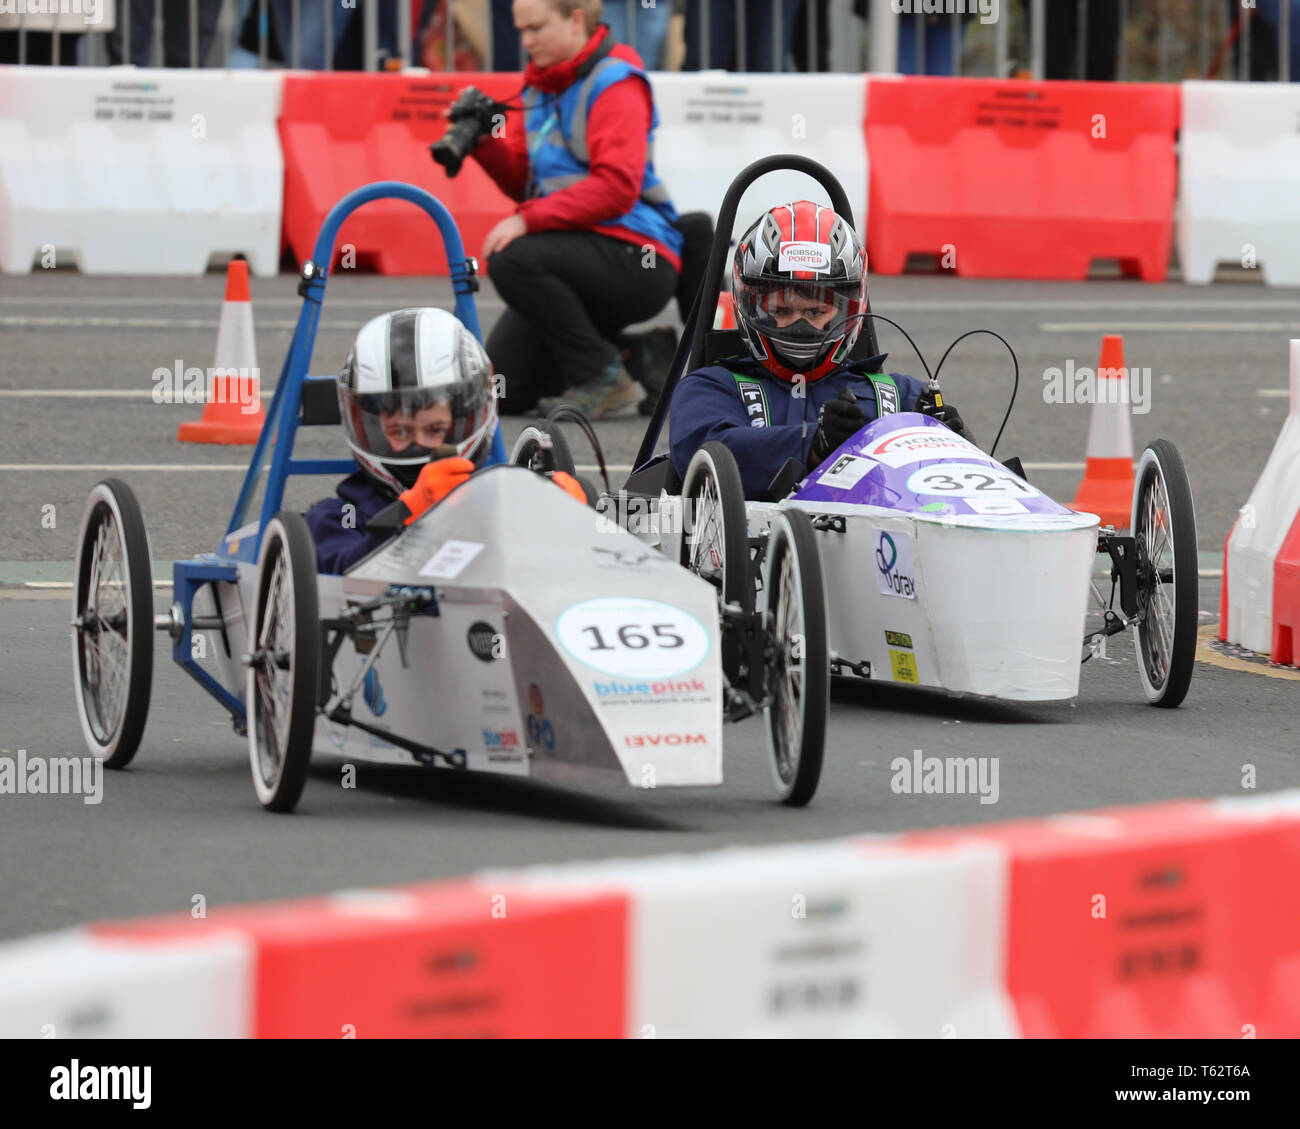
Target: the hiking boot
(609, 393)
(647, 357)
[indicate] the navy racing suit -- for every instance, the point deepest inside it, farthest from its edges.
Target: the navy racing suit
(338, 524)
(760, 419)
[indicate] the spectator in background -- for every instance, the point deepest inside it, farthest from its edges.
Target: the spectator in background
(505, 39)
(175, 33)
(760, 17)
(926, 44)
(929, 44)
(1101, 51)
(592, 246)
(38, 49)
(347, 34)
(650, 24)
(1265, 30)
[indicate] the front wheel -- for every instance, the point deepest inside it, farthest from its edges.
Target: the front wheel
(797, 677)
(112, 623)
(284, 664)
(1164, 532)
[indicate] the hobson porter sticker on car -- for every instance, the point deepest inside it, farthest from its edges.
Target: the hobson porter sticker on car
(633, 638)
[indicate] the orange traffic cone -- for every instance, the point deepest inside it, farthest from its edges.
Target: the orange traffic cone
(725, 318)
(233, 413)
(1107, 486)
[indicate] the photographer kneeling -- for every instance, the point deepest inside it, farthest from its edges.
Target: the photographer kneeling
(592, 247)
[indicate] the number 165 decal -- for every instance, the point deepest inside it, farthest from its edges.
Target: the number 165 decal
(634, 638)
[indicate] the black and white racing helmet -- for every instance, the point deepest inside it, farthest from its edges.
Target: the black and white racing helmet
(416, 386)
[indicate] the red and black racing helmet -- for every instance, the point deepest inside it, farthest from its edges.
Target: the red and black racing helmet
(799, 281)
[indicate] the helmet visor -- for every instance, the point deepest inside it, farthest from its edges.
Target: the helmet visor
(414, 425)
(799, 318)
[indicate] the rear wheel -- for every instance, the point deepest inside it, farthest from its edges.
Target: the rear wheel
(112, 623)
(798, 668)
(1164, 531)
(531, 449)
(284, 663)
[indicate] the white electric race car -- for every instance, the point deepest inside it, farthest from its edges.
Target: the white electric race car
(947, 568)
(507, 630)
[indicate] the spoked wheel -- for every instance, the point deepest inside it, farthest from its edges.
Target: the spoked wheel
(798, 674)
(530, 449)
(112, 623)
(715, 538)
(1164, 529)
(284, 664)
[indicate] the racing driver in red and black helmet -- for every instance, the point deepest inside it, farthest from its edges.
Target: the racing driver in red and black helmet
(799, 281)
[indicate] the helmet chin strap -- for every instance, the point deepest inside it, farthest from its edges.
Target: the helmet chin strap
(805, 334)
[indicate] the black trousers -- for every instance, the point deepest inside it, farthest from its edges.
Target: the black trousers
(567, 294)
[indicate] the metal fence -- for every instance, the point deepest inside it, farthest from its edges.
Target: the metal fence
(1123, 39)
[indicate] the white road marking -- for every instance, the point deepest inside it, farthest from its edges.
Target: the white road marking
(1011, 304)
(61, 322)
(215, 300)
(60, 584)
(120, 468)
(1273, 393)
(1169, 327)
(148, 468)
(80, 393)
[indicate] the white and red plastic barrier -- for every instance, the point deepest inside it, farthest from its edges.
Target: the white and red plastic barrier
(128, 171)
(1174, 919)
(1260, 604)
(141, 171)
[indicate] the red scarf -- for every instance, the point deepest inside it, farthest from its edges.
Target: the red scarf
(560, 76)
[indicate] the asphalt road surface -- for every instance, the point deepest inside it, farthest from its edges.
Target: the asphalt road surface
(183, 819)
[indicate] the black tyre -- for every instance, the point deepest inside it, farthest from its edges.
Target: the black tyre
(1164, 529)
(715, 532)
(283, 663)
(797, 678)
(112, 623)
(588, 488)
(530, 449)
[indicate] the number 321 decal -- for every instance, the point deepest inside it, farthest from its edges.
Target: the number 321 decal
(967, 480)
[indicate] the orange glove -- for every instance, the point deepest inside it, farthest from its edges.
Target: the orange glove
(438, 479)
(570, 486)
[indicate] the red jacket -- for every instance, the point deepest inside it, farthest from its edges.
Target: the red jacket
(617, 124)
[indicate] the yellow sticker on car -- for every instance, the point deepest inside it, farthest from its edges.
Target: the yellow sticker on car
(904, 665)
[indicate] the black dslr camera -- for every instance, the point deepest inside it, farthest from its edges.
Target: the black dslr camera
(471, 119)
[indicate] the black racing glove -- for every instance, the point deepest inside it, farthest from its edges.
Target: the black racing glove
(839, 420)
(946, 414)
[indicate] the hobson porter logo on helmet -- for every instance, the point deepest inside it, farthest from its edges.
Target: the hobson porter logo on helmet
(804, 256)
